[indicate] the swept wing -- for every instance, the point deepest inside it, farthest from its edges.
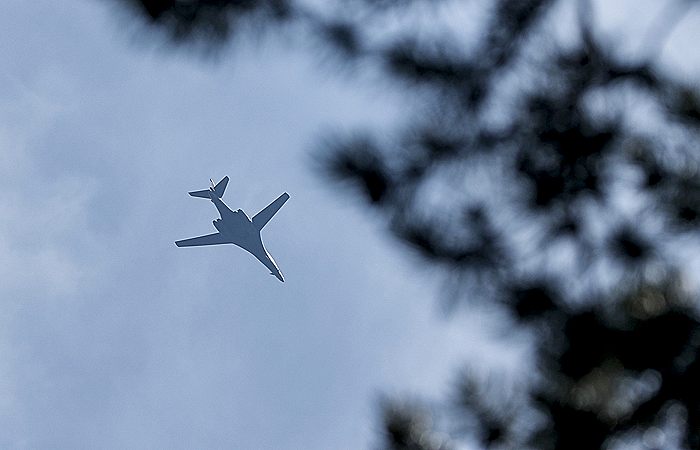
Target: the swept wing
(209, 239)
(264, 216)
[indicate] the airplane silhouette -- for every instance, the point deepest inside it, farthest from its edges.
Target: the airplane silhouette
(234, 227)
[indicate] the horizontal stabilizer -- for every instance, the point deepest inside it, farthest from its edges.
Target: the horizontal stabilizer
(220, 188)
(202, 194)
(209, 239)
(264, 216)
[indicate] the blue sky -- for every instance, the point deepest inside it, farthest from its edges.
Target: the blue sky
(110, 336)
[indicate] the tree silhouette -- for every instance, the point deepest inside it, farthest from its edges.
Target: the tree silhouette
(547, 172)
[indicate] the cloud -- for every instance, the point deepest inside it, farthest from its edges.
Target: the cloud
(112, 336)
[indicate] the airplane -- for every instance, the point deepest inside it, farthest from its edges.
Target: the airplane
(235, 227)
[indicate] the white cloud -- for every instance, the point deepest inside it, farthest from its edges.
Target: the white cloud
(112, 336)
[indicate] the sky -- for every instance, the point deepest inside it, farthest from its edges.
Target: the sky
(112, 337)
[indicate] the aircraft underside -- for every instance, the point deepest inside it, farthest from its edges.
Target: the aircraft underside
(235, 227)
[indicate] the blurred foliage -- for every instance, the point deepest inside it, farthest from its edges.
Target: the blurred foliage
(544, 171)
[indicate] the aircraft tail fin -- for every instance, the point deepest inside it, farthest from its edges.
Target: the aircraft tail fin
(219, 189)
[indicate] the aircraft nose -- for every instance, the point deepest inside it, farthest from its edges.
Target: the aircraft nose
(278, 275)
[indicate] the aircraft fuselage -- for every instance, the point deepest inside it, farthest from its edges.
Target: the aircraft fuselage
(237, 228)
